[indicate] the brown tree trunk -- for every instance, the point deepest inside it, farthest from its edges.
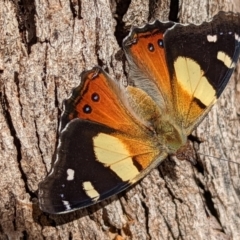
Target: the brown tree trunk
(44, 46)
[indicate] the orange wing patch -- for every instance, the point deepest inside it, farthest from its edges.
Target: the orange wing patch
(187, 108)
(99, 102)
(149, 54)
(125, 155)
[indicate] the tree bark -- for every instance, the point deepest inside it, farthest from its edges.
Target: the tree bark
(44, 46)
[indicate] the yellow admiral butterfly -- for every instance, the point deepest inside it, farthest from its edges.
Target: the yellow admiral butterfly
(112, 135)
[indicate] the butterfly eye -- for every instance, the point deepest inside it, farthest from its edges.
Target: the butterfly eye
(95, 97)
(87, 109)
(151, 47)
(160, 43)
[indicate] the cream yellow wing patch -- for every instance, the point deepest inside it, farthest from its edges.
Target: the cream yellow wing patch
(110, 151)
(190, 77)
(91, 191)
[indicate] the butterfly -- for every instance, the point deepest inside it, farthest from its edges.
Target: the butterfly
(112, 135)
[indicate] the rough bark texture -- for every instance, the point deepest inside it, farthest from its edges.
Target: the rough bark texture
(44, 46)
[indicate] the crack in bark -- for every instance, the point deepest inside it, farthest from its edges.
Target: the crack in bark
(79, 10)
(166, 222)
(12, 201)
(16, 80)
(72, 5)
(174, 10)
(120, 30)
(146, 212)
(12, 130)
(208, 203)
(198, 166)
(70, 236)
(193, 139)
(45, 67)
(56, 102)
(97, 24)
(153, 6)
(172, 194)
(38, 142)
(24, 235)
(25, 13)
(16, 142)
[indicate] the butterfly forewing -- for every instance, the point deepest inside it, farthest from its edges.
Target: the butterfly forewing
(92, 99)
(144, 49)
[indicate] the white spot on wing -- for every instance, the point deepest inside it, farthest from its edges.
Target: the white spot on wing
(70, 173)
(237, 37)
(66, 204)
(52, 170)
(212, 38)
(91, 191)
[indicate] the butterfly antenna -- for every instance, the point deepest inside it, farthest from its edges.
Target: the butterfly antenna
(206, 155)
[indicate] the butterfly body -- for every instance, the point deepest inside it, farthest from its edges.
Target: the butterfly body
(111, 135)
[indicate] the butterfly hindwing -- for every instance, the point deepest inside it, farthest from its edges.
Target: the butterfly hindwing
(78, 178)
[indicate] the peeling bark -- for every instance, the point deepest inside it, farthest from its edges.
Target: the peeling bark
(44, 46)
